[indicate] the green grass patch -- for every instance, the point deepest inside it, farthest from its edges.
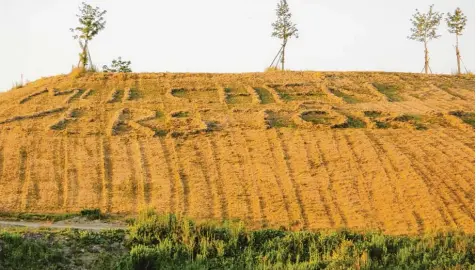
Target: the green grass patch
(170, 242)
(238, 99)
(279, 120)
(284, 95)
(372, 114)
(134, 94)
(264, 95)
(37, 217)
(407, 118)
(382, 125)
(390, 91)
(347, 98)
(179, 92)
(181, 114)
(415, 120)
(317, 117)
(352, 122)
(164, 242)
(91, 214)
(467, 117)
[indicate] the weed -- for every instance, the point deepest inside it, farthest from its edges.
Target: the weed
(317, 117)
(352, 122)
(467, 117)
(161, 132)
(382, 125)
(264, 95)
(180, 114)
(390, 91)
(180, 92)
(407, 118)
(279, 120)
(347, 98)
(91, 213)
(372, 114)
(413, 119)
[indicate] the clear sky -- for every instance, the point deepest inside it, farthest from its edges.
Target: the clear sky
(226, 36)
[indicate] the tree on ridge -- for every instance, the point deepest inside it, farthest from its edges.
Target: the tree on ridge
(424, 30)
(91, 21)
(456, 23)
(283, 28)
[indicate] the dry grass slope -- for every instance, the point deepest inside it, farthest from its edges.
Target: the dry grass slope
(388, 151)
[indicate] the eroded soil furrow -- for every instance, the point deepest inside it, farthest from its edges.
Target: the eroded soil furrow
(135, 184)
(314, 164)
(438, 196)
(106, 175)
(279, 181)
(284, 154)
(181, 183)
(354, 175)
(173, 178)
(218, 179)
(322, 149)
(364, 186)
(258, 204)
(390, 174)
(144, 183)
(420, 158)
(238, 180)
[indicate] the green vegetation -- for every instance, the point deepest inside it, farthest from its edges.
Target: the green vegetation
(372, 114)
(237, 96)
(60, 249)
(413, 119)
(181, 114)
(37, 217)
(91, 213)
(467, 117)
(284, 95)
(352, 122)
(91, 22)
(382, 125)
(118, 65)
(264, 95)
(279, 120)
(169, 242)
(179, 92)
(390, 91)
(317, 117)
(347, 98)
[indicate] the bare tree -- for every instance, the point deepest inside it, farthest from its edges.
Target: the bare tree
(456, 23)
(424, 30)
(91, 21)
(283, 28)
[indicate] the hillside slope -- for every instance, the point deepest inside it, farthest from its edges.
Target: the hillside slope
(311, 150)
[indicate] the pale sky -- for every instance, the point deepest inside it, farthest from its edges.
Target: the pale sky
(227, 36)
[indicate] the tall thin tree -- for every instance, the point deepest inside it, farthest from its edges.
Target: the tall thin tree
(283, 28)
(424, 30)
(456, 23)
(91, 21)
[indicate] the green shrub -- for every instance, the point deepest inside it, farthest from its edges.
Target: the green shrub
(91, 213)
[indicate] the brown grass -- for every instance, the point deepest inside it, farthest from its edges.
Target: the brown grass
(205, 152)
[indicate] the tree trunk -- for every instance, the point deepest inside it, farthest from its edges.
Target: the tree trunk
(458, 56)
(282, 55)
(84, 55)
(427, 61)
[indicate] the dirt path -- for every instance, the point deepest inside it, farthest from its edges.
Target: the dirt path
(89, 226)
